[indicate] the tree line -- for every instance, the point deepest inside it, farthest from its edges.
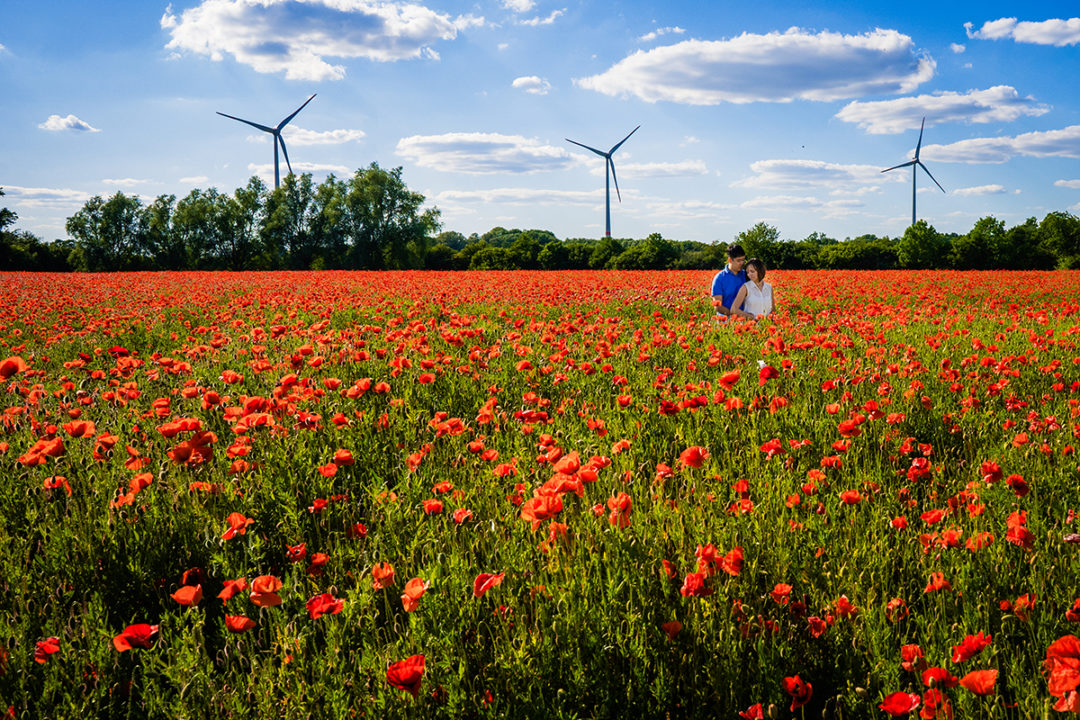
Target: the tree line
(372, 221)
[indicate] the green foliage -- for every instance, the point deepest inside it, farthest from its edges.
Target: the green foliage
(922, 247)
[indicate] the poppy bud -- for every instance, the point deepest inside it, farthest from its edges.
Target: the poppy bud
(774, 712)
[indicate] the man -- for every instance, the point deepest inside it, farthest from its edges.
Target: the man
(726, 284)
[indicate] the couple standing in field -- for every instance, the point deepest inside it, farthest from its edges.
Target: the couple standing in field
(741, 291)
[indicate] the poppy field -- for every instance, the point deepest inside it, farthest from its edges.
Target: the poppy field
(518, 494)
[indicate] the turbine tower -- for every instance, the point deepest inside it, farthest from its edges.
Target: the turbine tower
(278, 140)
(916, 163)
(609, 175)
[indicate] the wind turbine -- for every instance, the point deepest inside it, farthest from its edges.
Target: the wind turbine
(914, 163)
(278, 140)
(609, 165)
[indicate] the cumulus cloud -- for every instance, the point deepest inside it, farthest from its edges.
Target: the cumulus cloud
(483, 153)
(297, 36)
(980, 190)
(300, 136)
(194, 180)
(1000, 103)
(266, 171)
(1049, 143)
(648, 37)
(519, 6)
(533, 22)
(799, 174)
(55, 123)
(1055, 31)
(1071, 184)
(58, 198)
(777, 67)
(651, 170)
(532, 84)
(523, 196)
(957, 48)
(125, 182)
(791, 203)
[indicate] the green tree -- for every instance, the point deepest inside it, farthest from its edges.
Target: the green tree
(1059, 234)
(980, 248)
(240, 251)
(607, 250)
(759, 241)
(384, 221)
(922, 247)
(109, 234)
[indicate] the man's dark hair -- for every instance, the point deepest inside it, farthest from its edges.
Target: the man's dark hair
(735, 250)
(757, 265)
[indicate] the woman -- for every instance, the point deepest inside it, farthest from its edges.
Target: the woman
(756, 296)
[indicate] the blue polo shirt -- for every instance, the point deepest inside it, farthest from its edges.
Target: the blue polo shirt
(726, 284)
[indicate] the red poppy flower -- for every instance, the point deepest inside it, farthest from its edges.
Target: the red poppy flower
(232, 589)
(938, 677)
(238, 623)
(896, 610)
(971, 646)
(1062, 665)
(980, 682)
(620, 507)
(139, 635)
(818, 627)
(732, 562)
(800, 691)
(44, 648)
(188, 595)
(694, 586)
(407, 674)
(694, 456)
(486, 581)
(671, 629)
(754, 712)
(934, 704)
(912, 659)
(900, 704)
(383, 573)
(937, 582)
(780, 593)
(414, 590)
(538, 509)
(433, 507)
(767, 373)
(324, 604)
(238, 525)
(264, 591)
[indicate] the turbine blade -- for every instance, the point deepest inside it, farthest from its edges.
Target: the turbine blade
(601, 153)
(248, 122)
(612, 164)
(895, 167)
(617, 146)
(931, 177)
(284, 151)
(919, 145)
(284, 122)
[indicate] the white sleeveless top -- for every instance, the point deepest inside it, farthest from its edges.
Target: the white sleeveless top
(758, 300)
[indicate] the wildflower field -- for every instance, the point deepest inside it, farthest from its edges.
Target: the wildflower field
(523, 494)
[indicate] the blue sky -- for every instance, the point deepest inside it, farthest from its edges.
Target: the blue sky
(765, 111)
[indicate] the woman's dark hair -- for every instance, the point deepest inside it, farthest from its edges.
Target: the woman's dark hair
(757, 265)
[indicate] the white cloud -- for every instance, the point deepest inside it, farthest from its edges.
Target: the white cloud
(58, 198)
(957, 48)
(648, 37)
(1000, 103)
(532, 84)
(1071, 184)
(689, 140)
(483, 153)
(524, 196)
(502, 46)
(1049, 143)
(799, 174)
(980, 190)
(1056, 31)
(519, 6)
(777, 67)
(125, 182)
(300, 136)
(827, 208)
(533, 22)
(55, 123)
(266, 171)
(651, 170)
(194, 180)
(297, 36)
